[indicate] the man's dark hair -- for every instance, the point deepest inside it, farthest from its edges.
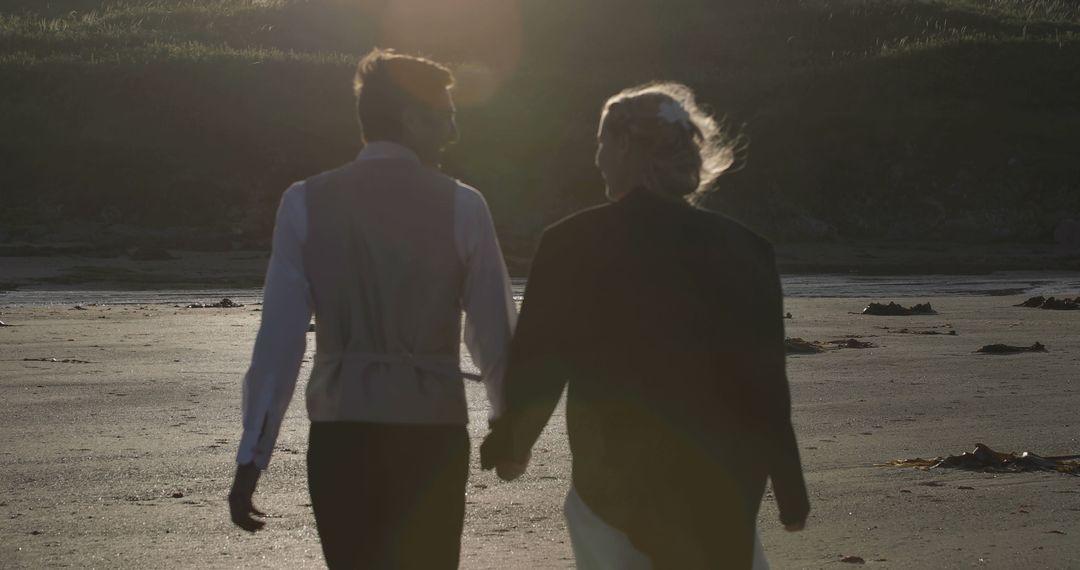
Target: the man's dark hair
(386, 83)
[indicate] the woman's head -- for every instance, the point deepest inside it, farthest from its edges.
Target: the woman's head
(656, 136)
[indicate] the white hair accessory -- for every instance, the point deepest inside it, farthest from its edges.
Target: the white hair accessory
(672, 112)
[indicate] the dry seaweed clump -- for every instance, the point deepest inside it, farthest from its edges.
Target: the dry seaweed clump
(851, 343)
(1040, 302)
(985, 459)
(225, 303)
(796, 345)
(896, 310)
(1010, 349)
(945, 329)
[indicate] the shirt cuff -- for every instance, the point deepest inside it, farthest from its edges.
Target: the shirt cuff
(248, 451)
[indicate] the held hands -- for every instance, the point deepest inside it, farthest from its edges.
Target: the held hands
(240, 505)
(510, 470)
(497, 450)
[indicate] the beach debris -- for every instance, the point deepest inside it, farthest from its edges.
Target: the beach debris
(1062, 305)
(311, 327)
(225, 303)
(851, 343)
(853, 560)
(78, 308)
(65, 360)
(1009, 349)
(895, 310)
(949, 331)
(787, 315)
(3, 324)
(797, 345)
(986, 460)
(1040, 302)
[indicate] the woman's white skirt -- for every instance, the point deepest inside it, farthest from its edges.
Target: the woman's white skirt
(599, 546)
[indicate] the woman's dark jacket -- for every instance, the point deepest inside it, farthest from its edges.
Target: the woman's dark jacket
(665, 321)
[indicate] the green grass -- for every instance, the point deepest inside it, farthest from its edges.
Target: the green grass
(894, 119)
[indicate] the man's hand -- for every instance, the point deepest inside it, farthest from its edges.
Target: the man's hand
(240, 506)
(510, 470)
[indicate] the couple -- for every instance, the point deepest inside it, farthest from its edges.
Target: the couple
(663, 319)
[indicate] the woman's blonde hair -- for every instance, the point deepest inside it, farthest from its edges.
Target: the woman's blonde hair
(681, 147)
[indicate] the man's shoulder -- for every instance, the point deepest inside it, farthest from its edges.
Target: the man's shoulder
(468, 197)
(293, 199)
(295, 190)
(322, 179)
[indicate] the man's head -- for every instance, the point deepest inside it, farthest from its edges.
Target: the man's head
(405, 99)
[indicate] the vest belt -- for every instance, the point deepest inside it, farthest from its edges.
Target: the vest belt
(437, 364)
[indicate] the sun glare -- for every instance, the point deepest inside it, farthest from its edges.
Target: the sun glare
(481, 39)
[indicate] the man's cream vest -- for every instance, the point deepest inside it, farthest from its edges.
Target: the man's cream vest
(386, 282)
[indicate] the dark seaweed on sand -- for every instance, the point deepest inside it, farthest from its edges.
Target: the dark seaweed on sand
(1010, 349)
(895, 310)
(982, 458)
(225, 303)
(799, 346)
(1040, 302)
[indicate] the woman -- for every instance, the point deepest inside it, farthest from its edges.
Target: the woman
(665, 321)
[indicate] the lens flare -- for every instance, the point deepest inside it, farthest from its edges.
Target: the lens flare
(481, 40)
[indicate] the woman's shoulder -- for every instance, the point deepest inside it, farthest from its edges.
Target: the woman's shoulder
(580, 221)
(729, 230)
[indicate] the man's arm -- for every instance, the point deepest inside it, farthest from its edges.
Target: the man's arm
(488, 302)
(279, 350)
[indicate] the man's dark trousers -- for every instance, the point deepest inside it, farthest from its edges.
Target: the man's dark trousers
(388, 496)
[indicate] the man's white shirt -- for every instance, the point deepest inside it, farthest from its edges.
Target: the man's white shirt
(487, 300)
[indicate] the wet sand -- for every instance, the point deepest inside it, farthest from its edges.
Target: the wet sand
(124, 460)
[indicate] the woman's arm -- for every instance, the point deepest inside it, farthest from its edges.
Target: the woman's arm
(785, 467)
(536, 370)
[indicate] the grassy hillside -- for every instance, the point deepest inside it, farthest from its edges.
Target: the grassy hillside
(908, 120)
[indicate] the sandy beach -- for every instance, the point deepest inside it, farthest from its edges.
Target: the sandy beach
(122, 456)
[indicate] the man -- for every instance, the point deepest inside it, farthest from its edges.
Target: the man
(386, 252)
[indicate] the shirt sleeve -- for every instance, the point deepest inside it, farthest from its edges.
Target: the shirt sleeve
(279, 347)
(487, 299)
